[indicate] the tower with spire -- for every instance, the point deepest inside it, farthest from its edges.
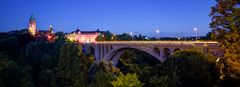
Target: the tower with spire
(32, 28)
(50, 29)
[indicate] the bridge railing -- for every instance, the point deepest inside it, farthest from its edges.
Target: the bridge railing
(196, 43)
(158, 42)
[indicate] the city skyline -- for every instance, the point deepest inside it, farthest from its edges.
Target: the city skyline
(172, 18)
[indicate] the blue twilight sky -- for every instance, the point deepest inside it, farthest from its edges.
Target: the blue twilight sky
(171, 17)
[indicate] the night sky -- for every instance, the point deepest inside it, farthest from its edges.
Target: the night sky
(171, 17)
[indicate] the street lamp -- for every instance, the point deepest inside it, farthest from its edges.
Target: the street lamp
(131, 33)
(158, 32)
(195, 29)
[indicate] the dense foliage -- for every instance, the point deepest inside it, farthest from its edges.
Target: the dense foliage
(128, 80)
(190, 68)
(226, 29)
(29, 62)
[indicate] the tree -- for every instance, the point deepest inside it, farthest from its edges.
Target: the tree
(100, 37)
(101, 74)
(13, 75)
(128, 80)
(102, 79)
(147, 75)
(108, 36)
(226, 29)
(189, 68)
(164, 75)
(69, 67)
(47, 78)
(124, 37)
(25, 38)
(8, 44)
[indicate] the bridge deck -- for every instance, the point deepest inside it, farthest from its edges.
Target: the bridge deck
(176, 43)
(157, 42)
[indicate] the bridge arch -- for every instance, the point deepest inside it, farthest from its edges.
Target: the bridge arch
(177, 49)
(94, 50)
(114, 55)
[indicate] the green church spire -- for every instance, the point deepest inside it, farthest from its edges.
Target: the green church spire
(32, 18)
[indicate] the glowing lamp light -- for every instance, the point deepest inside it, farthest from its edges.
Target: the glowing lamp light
(157, 31)
(131, 33)
(195, 29)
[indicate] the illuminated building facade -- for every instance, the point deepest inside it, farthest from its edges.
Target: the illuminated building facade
(49, 34)
(40, 34)
(76, 36)
(83, 37)
(32, 28)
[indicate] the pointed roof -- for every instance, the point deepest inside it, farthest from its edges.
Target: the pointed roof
(32, 18)
(50, 28)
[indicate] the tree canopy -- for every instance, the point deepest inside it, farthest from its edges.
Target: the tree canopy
(226, 29)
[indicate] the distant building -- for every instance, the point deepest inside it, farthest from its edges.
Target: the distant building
(82, 37)
(85, 36)
(32, 29)
(77, 36)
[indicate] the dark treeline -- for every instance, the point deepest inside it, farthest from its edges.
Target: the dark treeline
(29, 62)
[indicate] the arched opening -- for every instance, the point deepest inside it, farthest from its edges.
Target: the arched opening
(166, 53)
(177, 49)
(131, 59)
(157, 51)
(89, 50)
(139, 56)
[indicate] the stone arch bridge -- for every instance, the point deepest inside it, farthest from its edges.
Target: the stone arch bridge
(161, 50)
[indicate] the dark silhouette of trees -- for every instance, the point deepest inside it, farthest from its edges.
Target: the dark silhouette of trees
(70, 71)
(13, 75)
(29, 62)
(101, 74)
